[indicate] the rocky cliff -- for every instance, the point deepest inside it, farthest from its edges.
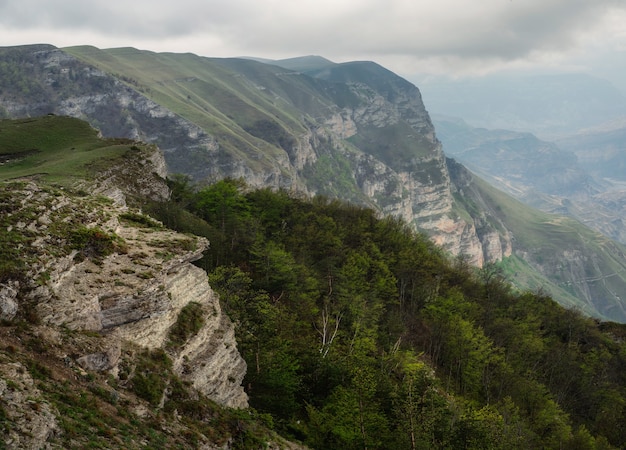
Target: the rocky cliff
(351, 131)
(97, 285)
(495, 239)
(124, 280)
(414, 181)
(354, 131)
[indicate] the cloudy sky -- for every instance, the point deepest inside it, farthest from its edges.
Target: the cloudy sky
(450, 37)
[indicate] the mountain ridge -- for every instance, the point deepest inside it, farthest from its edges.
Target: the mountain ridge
(362, 135)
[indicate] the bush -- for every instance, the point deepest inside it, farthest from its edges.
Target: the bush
(95, 242)
(151, 376)
(190, 320)
(139, 220)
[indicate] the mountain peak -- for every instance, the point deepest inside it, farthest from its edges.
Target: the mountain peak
(304, 63)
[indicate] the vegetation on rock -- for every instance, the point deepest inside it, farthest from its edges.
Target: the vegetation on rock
(68, 254)
(189, 322)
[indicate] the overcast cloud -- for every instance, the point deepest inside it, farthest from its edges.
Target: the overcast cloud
(453, 37)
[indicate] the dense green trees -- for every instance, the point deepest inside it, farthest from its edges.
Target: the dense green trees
(361, 334)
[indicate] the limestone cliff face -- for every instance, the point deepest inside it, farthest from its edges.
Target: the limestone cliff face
(491, 238)
(360, 114)
(92, 268)
(137, 297)
(419, 189)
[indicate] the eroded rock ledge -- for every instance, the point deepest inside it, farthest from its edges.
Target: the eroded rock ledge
(131, 293)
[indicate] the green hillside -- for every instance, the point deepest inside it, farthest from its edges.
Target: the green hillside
(581, 268)
(357, 331)
(59, 149)
(212, 95)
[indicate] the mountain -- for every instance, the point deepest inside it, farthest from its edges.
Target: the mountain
(353, 131)
(317, 320)
(522, 163)
(552, 140)
(600, 150)
(549, 106)
(358, 132)
(579, 267)
(578, 176)
(303, 63)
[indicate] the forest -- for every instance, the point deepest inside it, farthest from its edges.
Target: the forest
(359, 333)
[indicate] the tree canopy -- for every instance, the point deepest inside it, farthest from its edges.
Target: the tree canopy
(359, 333)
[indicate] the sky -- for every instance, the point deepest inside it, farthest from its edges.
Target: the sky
(449, 38)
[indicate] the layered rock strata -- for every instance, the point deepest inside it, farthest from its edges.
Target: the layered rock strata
(132, 293)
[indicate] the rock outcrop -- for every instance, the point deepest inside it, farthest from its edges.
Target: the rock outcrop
(415, 185)
(489, 234)
(34, 420)
(95, 269)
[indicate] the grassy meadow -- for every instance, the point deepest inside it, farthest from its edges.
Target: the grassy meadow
(55, 148)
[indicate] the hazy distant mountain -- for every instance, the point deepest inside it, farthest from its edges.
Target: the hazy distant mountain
(549, 105)
(582, 177)
(520, 162)
(554, 141)
(602, 152)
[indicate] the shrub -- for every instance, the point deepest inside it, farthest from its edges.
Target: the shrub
(151, 378)
(190, 320)
(139, 220)
(95, 242)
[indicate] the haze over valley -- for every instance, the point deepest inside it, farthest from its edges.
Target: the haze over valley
(555, 142)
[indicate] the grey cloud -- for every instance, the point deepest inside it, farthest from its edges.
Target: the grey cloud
(139, 18)
(504, 30)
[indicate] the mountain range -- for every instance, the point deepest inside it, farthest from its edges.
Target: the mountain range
(352, 131)
(243, 254)
(553, 141)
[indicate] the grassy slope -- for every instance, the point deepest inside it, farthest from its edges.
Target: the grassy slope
(60, 149)
(547, 240)
(212, 93)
